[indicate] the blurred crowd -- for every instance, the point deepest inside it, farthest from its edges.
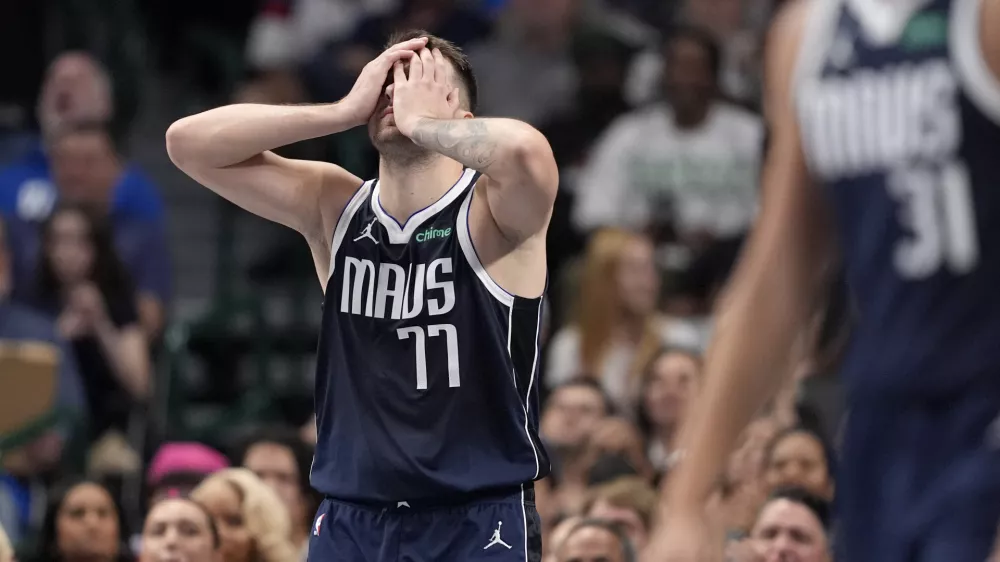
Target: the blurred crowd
(653, 112)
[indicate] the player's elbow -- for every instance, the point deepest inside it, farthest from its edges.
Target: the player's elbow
(534, 162)
(181, 143)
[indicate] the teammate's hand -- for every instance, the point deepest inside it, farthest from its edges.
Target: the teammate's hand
(370, 84)
(684, 538)
(426, 93)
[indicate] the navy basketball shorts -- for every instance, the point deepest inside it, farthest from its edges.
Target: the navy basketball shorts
(920, 481)
(502, 528)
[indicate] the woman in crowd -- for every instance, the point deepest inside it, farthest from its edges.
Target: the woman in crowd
(82, 282)
(82, 524)
(253, 524)
(799, 457)
(669, 384)
(179, 528)
(617, 328)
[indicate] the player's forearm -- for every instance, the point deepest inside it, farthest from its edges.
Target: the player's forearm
(235, 133)
(746, 365)
(500, 148)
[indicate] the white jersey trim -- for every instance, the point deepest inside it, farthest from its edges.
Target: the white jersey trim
(978, 81)
(524, 516)
(345, 221)
(401, 234)
(531, 384)
(465, 241)
(817, 37)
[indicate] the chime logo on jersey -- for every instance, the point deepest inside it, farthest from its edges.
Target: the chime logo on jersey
(393, 292)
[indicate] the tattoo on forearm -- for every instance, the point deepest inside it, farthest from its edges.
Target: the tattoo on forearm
(467, 140)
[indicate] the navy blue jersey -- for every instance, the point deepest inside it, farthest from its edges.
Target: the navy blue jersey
(898, 116)
(427, 381)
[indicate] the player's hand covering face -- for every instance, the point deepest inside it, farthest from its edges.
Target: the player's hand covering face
(365, 94)
(427, 92)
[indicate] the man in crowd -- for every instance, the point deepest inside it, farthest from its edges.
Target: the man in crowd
(77, 89)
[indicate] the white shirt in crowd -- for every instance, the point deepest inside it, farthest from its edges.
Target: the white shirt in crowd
(708, 174)
(564, 359)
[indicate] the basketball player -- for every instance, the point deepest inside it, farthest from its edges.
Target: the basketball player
(885, 154)
(426, 384)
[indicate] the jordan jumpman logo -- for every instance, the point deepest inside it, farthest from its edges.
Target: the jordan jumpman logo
(496, 538)
(367, 232)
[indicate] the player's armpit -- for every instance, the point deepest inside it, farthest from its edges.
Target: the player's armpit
(515, 157)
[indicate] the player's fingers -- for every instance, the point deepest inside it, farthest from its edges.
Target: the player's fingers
(410, 45)
(416, 69)
(398, 75)
(440, 67)
(427, 62)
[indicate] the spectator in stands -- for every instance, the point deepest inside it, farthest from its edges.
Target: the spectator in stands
(282, 461)
(84, 167)
(600, 61)
(799, 457)
(628, 502)
(594, 540)
(691, 161)
(253, 523)
(179, 528)
(616, 328)
(82, 524)
(669, 385)
(572, 412)
(20, 323)
(77, 89)
(81, 281)
(179, 467)
(525, 69)
(792, 525)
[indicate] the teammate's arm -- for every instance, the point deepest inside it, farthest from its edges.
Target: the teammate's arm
(772, 292)
(228, 150)
(990, 33)
(516, 158)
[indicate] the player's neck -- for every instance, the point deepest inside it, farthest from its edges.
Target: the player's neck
(405, 189)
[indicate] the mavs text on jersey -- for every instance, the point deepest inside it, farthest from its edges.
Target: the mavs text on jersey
(899, 117)
(426, 384)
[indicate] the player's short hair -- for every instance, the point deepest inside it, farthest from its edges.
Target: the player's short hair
(452, 53)
(819, 507)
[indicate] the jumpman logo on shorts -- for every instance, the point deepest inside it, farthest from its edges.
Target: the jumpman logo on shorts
(496, 538)
(367, 232)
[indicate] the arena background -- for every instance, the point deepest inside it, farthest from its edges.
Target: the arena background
(652, 110)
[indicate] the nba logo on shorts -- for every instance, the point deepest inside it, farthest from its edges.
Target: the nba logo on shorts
(319, 523)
